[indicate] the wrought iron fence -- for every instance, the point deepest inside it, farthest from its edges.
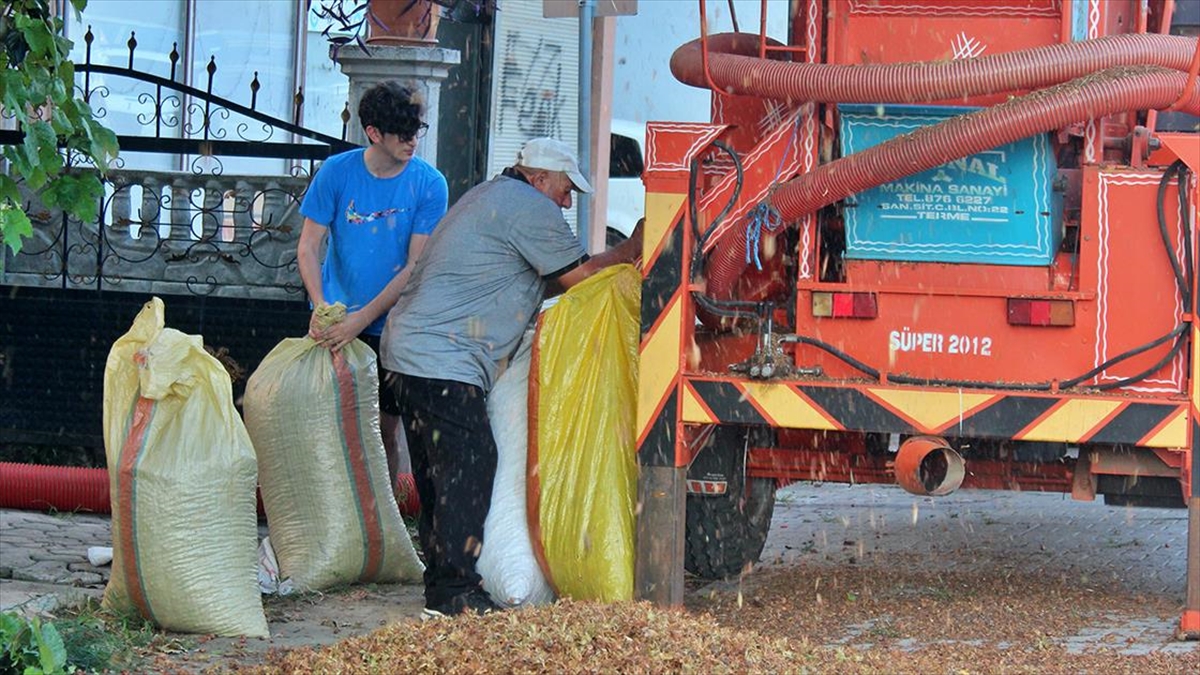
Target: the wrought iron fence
(192, 230)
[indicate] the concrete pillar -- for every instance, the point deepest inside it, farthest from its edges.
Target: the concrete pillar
(423, 67)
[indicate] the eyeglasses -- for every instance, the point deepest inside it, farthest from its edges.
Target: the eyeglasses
(407, 136)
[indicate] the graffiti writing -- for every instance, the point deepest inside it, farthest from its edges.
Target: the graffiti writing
(530, 86)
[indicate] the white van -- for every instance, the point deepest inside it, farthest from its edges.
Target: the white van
(626, 193)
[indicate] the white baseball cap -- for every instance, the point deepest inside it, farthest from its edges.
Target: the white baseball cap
(551, 155)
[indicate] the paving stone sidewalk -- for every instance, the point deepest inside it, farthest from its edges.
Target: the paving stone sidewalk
(43, 560)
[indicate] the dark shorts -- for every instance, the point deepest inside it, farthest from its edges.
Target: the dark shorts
(387, 397)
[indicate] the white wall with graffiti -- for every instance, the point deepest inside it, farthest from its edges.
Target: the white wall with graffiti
(535, 82)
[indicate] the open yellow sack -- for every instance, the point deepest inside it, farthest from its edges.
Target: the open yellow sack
(182, 477)
(582, 483)
(314, 420)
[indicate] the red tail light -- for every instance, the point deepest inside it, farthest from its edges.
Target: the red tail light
(1037, 312)
(845, 305)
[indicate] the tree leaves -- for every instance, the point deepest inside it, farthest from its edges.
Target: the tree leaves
(14, 226)
(14, 223)
(8, 190)
(104, 146)
(38, 35)
(78, 195)
(41, 149)
(37, 82)
(13, 90)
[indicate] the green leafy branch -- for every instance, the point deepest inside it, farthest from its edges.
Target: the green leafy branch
(37, 83)
(30, 647)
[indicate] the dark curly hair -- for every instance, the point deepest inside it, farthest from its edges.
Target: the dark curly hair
(392, 108)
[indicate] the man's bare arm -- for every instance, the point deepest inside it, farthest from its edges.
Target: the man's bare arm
(308, 259)
(627, 251)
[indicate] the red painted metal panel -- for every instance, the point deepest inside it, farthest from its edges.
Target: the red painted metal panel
(898, 31)
(893, 39)
(949, 322)
(840, 467)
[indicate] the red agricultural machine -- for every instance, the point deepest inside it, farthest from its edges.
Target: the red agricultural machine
(940, 243)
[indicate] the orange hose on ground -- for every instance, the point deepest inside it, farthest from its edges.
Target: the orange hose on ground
(39, 487)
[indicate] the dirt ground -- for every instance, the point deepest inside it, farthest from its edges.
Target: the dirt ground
(866, 579)
(300, 621)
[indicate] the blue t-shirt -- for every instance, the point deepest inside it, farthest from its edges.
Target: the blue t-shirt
(370, 221)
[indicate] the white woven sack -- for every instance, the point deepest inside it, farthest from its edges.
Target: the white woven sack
(510, 570)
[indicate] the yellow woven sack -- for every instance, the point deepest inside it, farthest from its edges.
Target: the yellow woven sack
(182, 479)
(314, 420)
(582, 480)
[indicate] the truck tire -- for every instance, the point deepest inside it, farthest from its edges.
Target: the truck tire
(726, 534)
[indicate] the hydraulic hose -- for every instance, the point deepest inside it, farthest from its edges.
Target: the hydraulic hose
(734, 66)
(1110, 91)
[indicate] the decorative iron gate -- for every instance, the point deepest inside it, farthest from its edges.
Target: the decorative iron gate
(195, 230)
(219, 247)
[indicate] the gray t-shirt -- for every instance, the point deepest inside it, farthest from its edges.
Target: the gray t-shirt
(478, 284)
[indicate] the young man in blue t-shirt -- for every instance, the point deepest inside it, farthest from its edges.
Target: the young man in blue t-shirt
(377, 207)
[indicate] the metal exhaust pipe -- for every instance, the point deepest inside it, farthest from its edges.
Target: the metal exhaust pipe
(927, 465)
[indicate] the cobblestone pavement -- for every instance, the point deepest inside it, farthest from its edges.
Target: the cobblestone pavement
(52, 549)
(43, 558)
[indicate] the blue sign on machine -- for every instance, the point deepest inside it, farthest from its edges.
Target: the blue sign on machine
(996, 207)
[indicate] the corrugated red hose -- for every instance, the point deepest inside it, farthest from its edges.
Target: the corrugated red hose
(38, 487)
(1111, 91)
(1088, 95)
(734, 66)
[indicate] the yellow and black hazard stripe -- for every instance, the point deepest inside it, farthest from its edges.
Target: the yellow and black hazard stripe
(1028, 417)
(660, 350)
(662, 280)
(1194, 457)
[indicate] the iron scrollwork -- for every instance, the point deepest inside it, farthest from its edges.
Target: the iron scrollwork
(192, 230)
